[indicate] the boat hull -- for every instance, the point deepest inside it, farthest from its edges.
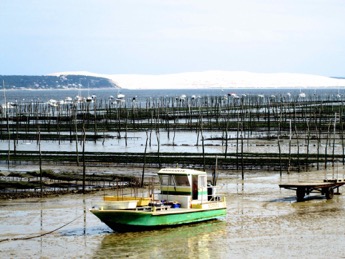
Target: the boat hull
(120, 220)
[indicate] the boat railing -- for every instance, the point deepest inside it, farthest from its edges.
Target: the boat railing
(216, 198)
(152, 208)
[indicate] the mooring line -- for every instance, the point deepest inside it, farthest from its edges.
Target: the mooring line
(40, 235)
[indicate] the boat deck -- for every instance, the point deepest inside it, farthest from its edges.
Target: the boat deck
(168, 209)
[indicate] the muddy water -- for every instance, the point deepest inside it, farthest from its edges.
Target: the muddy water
(263, 221)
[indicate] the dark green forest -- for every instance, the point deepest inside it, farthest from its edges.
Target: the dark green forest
(54, 82)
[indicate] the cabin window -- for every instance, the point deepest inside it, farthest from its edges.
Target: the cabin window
(182, 180)
(176, 180)
(165, 179)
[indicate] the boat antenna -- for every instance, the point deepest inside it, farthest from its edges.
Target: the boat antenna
(215, 174)
(3, 87)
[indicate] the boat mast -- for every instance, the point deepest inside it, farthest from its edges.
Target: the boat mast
(8, 126)
(3, 87)
(215, 174)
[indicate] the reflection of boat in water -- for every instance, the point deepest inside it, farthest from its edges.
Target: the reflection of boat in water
(188, 241)
(185, 197)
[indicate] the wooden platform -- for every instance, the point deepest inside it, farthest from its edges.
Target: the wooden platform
(325, 188)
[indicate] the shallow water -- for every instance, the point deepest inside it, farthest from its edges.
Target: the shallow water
(263, 221)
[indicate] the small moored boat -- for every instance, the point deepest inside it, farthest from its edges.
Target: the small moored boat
(185, 197)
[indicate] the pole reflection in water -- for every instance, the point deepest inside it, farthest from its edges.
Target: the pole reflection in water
(85, 225)
(41, 221)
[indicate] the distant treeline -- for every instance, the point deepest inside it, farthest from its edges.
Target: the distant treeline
(54, 82)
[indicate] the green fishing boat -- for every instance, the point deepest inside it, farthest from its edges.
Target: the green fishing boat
(185, 197)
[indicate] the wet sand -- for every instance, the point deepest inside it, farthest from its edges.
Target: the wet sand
(263, 221)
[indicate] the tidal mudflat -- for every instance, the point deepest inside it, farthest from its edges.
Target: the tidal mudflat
(263, 221)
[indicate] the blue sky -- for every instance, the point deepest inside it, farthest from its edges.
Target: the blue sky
(171, 36)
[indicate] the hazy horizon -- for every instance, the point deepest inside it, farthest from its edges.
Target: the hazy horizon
(167, 37)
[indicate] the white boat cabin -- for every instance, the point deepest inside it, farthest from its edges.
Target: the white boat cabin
(185, 186)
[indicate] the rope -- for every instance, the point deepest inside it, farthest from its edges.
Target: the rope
(40, 235)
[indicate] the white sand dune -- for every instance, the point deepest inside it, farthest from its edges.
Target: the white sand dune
(217, 79)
